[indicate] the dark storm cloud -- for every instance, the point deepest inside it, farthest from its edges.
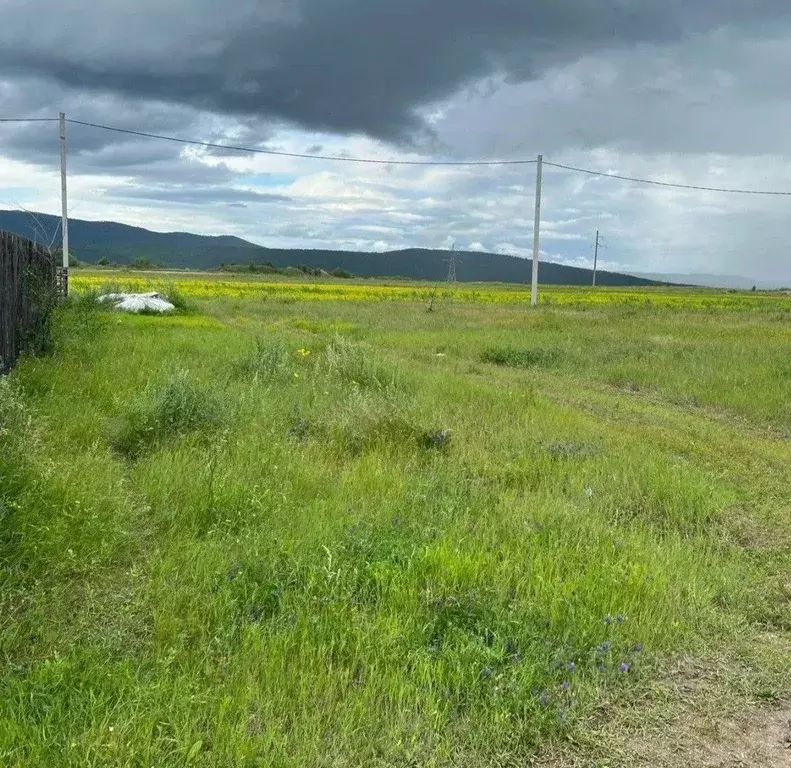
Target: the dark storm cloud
(340, 65)
(42, 98)
(96, 152)
(142, 172)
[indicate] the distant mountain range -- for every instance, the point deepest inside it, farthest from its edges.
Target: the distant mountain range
(90, 241)
(715, 281)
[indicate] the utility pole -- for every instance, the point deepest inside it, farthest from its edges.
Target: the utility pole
(452, 264)
(595, 258)
(537, 231)
(64, 207)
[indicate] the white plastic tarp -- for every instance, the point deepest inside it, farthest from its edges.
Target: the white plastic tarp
(137, 302)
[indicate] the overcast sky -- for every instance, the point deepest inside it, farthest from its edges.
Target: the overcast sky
(688, 91)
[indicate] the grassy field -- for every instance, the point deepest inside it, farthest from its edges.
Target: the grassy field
(305, 524)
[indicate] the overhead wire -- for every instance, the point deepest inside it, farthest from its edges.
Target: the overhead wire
(28, 119)
(390, 161)
(302, 155)
(673, 185)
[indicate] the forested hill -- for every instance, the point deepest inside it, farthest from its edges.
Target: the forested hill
(91, 241)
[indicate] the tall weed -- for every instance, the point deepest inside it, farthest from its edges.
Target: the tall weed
(173, 409)
(359, 365)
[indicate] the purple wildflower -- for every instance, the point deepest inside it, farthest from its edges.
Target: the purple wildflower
(566, 685)
(624, 668)
(572, 667)
(608, 619)
(621, 619)
(638, 648)
(604, 647)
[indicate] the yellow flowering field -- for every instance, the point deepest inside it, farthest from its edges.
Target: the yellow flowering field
(205, 286)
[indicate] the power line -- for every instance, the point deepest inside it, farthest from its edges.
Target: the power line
(304, 155)
(430, 162)
(28, 119)
(667, 183)
(375, 161)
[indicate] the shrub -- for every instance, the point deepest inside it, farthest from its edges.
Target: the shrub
(267, 267)
(312, 271)
(144, 263)
(172, 410)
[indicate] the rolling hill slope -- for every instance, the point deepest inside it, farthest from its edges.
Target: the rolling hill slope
(123, 244)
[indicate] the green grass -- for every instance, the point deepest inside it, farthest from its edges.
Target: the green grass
(330, 534)
(173, 410)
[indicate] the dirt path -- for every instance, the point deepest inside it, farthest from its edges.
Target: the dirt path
(763, 740)
(732, 711)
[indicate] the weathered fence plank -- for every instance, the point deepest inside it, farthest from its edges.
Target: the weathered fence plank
(28, 292)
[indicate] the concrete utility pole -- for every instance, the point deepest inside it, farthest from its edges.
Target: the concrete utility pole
(64, 205)
(537, 231)
(595, 258)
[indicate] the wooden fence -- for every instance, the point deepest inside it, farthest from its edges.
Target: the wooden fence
(28, 292)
